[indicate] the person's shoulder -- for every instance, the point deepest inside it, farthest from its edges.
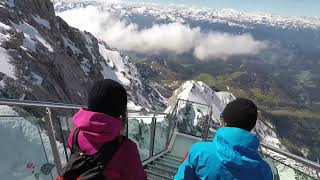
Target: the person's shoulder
(200, 146)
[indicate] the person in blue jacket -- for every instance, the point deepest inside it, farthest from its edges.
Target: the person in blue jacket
(233, 153)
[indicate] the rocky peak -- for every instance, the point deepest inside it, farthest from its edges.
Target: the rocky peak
(52, 61)
(42, 8)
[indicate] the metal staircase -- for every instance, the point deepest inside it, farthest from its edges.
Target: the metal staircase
(163, 167)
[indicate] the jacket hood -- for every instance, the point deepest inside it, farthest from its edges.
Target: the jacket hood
(95, 130)
(237, 148)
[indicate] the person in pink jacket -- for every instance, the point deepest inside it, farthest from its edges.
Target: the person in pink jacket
(104, 121)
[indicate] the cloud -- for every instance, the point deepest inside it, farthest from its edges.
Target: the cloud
(170, 38)
(223, 45)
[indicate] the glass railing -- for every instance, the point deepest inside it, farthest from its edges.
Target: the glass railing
(25, 151)
(191, 118)
(34, 137)
(290, 166)
(139, 131)
(150, 132)
(161, 139)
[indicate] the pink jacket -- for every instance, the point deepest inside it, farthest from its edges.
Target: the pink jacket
(97, 129)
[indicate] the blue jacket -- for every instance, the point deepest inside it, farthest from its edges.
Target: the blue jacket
(233, 155)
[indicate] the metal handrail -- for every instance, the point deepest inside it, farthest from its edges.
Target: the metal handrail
(16, 102)
(194, 102)
(50, 127)
(299, 159)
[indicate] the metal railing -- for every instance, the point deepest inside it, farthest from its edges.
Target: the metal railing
(56, 156)
(50, 118)
(299, 159)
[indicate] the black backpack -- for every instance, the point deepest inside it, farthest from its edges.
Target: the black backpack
(82, 166)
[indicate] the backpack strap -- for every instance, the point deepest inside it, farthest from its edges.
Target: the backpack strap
(75, 146)
(107, 151)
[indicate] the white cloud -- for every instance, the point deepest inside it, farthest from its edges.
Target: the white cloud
(171, 38)
(223, 45)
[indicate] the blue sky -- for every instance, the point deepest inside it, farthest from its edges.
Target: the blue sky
(282, 7)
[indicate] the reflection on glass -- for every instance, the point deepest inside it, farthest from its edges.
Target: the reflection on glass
(25, 152)
(161, 134)
(192, 118)
(139, 131)
(285, 168)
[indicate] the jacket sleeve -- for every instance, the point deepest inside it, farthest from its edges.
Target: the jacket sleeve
(187, 170)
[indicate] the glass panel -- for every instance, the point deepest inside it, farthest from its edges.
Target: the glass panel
(191, 118)
(25, 152)
(62, 119)
(139, 131)
(286, 168)
(161, 134)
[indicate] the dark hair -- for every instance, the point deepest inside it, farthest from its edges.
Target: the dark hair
(241, 113)
(108, 97)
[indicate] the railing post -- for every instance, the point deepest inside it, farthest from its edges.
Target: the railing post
(207, 125)
(53, 143)
(169, 129)
(153, 131)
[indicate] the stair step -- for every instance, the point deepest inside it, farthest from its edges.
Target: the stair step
(169, 161)
(155, 174)
(165, 165)
(174, 157)
(170, 172)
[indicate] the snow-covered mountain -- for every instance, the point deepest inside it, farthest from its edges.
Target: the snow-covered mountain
(46, 59)
(199, 92)
(182, 14)
(279, 30)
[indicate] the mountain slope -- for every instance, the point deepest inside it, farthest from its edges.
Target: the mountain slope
(199, 92)
(46, 59)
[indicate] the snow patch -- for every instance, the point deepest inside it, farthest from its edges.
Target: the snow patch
(133, 106)
(6, 67)
(10, 3)
(108, 73)
(90, 51)
(88, 38)
(4, 27)
(68, 43)
(37, 79)
(85, 66)
(31, 37)
(28, 43)
(3, 35)
(2, 83)
(115, 57)
(42, 22)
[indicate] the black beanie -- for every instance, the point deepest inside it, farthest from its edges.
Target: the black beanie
(241, 113)
(108, 97)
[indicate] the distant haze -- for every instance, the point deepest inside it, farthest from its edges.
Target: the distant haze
(310, 8)
(170, 38)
